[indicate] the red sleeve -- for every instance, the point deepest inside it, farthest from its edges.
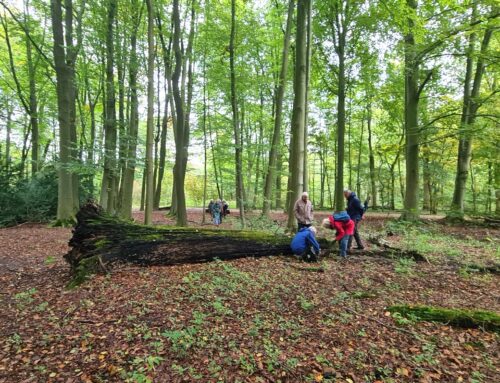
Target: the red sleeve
(340, 231)
(349, 227)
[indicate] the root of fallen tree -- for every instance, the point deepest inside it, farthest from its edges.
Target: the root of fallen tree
(453, 317)
(99, 241)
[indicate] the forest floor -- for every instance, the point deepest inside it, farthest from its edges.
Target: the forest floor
(250, 320)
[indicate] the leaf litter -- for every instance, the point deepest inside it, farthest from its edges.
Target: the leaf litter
(249, 320)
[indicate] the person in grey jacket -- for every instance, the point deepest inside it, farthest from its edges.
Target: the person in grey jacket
(303, 211)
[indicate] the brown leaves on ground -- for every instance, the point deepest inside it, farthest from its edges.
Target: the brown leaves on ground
(265, 320)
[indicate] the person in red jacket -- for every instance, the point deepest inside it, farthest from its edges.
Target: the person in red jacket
(344, 226)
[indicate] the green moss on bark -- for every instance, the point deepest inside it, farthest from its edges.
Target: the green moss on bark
(454, 317)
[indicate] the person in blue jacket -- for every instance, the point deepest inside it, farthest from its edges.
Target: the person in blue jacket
(355, 210)
(304, 244)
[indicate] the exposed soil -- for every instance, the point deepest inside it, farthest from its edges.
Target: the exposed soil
(250, 320)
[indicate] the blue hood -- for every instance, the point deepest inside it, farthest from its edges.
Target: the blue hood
(342, 216)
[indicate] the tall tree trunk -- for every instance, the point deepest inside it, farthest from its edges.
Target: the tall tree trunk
(339, 182)
(427, 180)
(373, 180)
(473, 188)
(306, 97)
(296, 166)
(204, 124)
(180, 150)
(360, 149)
(163, 153)
(260, 145)
(33, 106)
(7, 139)
(149, 192)
(411, 201)
(469, 112)
(108, 189)
(497, 187)
(279, 168)
(280, 91)
(236, 124)
(157, 136)
(133, 123)
(489, 188)
(122, 128)
(65, 205)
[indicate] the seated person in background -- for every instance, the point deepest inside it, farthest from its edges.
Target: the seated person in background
(304, 244)
(344, 226)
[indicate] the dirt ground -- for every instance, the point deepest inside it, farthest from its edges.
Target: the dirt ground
(251, 320)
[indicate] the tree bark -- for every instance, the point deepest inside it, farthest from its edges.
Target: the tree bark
(497, 187)
(339, 37)
(373, 180)
(236, 124)
(108, 187)
(306, 96)
(411, 200)
(99, 241)
(296, 162)
(133, 123)
(65, 203)
(149, 191)
(469, 112)
(280, 92)
(180, 150)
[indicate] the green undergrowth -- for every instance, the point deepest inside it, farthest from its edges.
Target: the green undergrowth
(455, 317)
(428, 239)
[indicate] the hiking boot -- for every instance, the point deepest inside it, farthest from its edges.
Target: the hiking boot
(359, 247)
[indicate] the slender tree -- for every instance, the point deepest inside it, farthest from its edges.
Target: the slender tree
(279, 94)
(108, 186)
(236, 124)
(149, 194)
(470, 107)
(297, 141)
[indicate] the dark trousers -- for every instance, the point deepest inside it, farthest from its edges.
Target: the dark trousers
(309, 255)
(356, 236)
(301, 225)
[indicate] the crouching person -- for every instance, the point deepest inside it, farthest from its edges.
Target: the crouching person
(304, 244)
(344, 226)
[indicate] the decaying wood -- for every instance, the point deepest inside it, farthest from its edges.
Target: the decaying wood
(394, 252)
(100, 240)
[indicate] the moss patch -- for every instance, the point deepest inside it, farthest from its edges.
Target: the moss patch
(454, 317)
(84, 270)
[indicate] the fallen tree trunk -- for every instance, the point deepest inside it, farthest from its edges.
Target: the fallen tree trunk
(100, 240)
(453, 317)
(394, 252)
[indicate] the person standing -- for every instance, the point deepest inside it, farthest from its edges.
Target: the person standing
(355, 211)
(216, 210)
(303, 211)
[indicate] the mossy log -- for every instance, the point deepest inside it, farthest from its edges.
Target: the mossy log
(453, 317)
(394, 252)
(102, 240)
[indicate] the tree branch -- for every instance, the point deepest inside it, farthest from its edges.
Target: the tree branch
(28, 35)
(427, 78)
(433, 45)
